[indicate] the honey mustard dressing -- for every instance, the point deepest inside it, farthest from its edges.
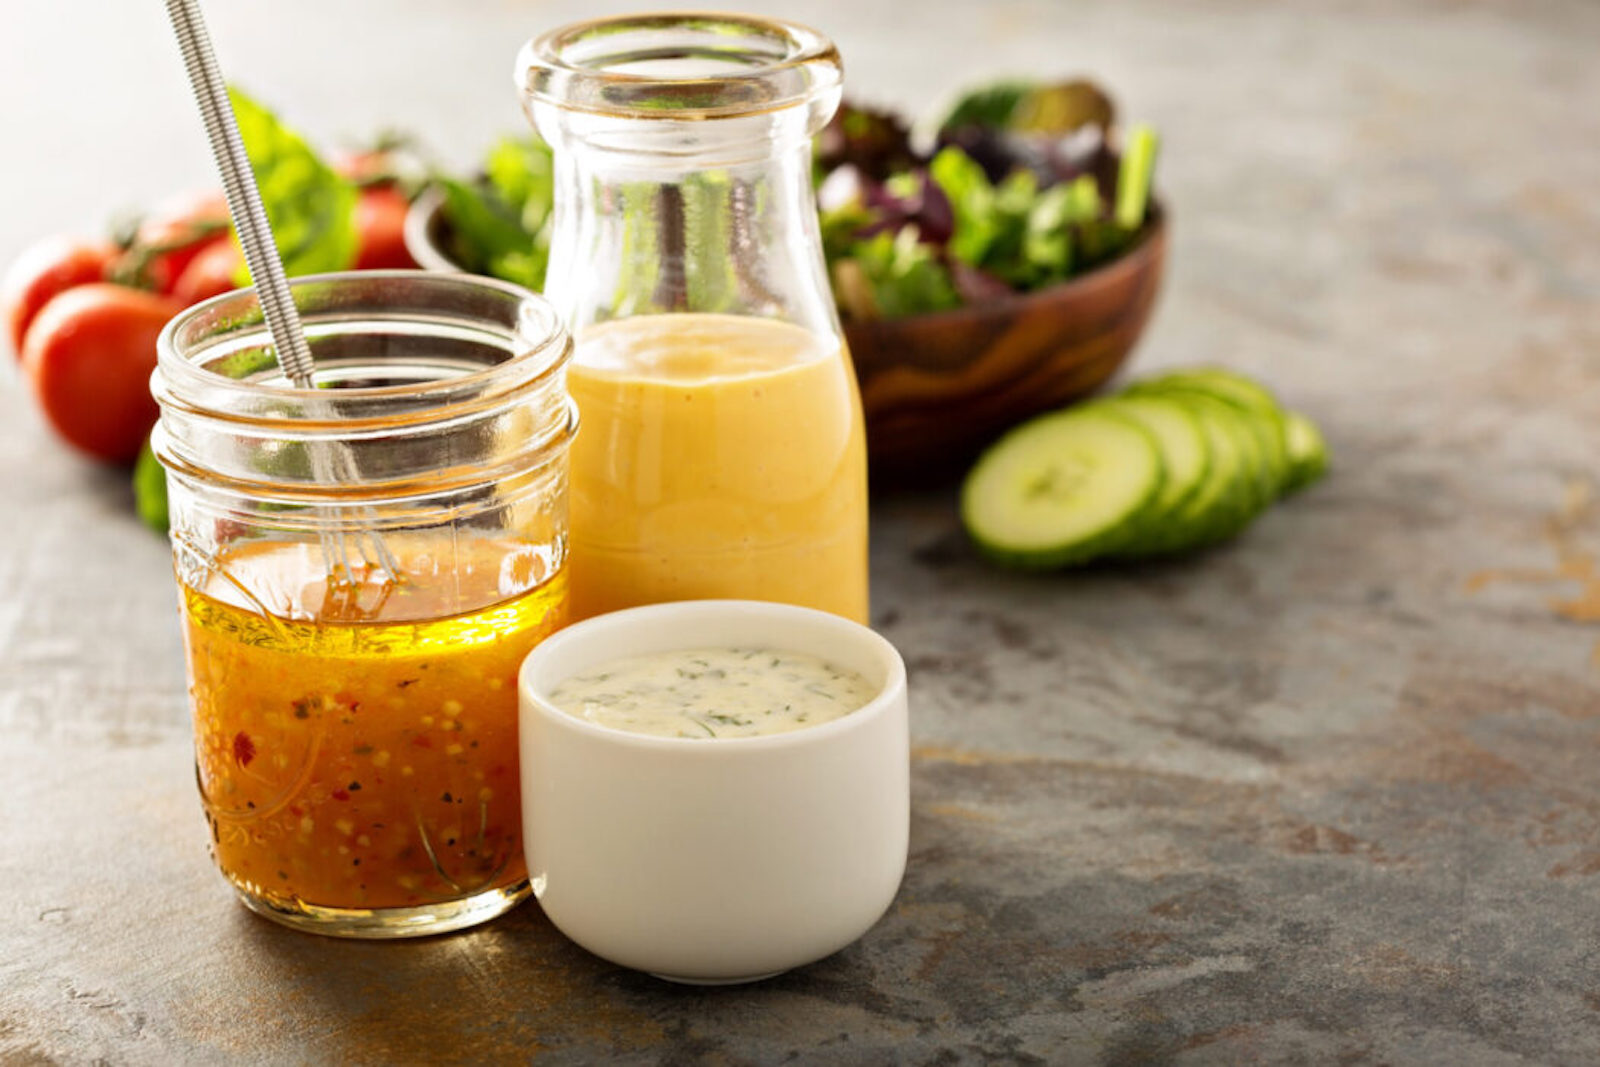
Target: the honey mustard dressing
(717, 456)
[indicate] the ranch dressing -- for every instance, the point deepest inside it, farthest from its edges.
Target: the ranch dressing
(713, 693)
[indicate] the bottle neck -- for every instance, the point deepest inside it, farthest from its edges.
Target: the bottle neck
(663, 217)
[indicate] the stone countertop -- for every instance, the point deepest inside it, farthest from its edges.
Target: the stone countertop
(1325, 794)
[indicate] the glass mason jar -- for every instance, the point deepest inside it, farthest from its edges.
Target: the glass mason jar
(722, 451)
(361, 568)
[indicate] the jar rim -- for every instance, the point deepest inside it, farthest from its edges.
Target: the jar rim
(542, 349)
(583, 66)
(469, 352)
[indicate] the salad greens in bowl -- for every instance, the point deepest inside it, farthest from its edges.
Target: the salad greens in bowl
(1000, 266)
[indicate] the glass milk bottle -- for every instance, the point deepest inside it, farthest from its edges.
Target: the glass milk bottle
(720, 450)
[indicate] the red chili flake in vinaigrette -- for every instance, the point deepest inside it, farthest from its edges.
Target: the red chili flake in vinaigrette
(340, 794)
(244, 749)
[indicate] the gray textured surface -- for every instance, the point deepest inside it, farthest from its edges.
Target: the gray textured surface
(1328, 794)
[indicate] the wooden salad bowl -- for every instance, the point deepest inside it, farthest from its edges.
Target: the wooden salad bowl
(938, 387)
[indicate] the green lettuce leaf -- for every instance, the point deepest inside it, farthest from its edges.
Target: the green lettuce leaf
(500, 223)
(988, 105)
(488, 233)
(972, 201)
(522, 171)
(903, 276)
(1047, 237)
(839, 226)
(310, 207)
(150, 490)
(525, 267)
(1006, 255)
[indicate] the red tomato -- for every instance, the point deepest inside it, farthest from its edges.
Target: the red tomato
(380, 229)
(169, 239)
(371, 167)
(49, 267)
(88, 356)
(209, 274)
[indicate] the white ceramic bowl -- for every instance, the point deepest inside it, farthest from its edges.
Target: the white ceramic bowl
(717, 860)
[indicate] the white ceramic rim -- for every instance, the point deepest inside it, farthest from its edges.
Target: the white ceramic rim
(663, 616)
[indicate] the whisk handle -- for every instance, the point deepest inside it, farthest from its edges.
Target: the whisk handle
(239, 185)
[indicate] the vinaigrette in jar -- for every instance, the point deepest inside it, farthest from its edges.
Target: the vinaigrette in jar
(358, 751)
(361, 567)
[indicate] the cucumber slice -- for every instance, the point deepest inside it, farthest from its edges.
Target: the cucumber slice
(1308, 451)
(1236, 488)
(1062, 488)
(1185, 456)
(1264, 417)
(1225, 384)
(1258, 481)
(1234, 493)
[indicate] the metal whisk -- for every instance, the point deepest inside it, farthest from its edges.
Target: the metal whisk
(350, 558)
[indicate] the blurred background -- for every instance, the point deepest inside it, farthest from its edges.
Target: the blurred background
(1341, 174)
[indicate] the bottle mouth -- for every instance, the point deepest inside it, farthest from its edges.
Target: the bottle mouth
(678, 66)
